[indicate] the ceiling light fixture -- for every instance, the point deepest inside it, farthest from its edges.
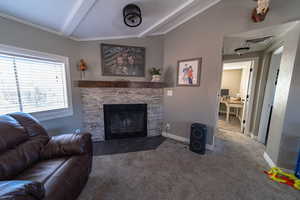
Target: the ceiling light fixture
(259, 40)
(132, 15)
(242, 50)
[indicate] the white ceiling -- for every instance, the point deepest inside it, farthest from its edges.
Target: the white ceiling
(102, 19)
(234, 41)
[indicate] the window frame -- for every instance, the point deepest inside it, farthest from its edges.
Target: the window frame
(49, 114)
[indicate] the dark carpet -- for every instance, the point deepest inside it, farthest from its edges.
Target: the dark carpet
(233, 171)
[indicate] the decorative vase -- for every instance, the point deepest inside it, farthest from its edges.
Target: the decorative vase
(82, 75)
(155, 78)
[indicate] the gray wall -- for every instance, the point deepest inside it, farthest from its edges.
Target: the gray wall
(290, 143)
(23, 36)
(90, 52)
(203, 36)
(283, 143)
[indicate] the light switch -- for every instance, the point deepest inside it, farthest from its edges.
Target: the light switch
(170, 93)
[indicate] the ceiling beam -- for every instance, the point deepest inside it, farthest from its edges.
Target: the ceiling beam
(167, 18)
(79, 11)
(21, 21)
(199, 9)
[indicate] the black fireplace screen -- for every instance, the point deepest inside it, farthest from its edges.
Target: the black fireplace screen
(125, 120)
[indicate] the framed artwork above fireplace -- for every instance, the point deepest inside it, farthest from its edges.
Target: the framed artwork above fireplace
(119, 60)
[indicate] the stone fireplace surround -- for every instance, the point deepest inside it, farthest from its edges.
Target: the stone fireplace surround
(93, 99)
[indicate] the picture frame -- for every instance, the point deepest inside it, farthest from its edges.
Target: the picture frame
(124, 61)
(189, 72)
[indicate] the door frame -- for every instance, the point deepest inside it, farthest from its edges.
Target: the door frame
(252, 82)
(261, 137)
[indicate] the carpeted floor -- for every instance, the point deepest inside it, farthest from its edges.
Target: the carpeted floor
(234, 171)
(234, 123)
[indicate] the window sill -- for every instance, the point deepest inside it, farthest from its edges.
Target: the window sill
(53, 114)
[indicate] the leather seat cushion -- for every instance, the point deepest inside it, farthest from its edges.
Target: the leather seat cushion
(42, 171)
(13, 133)
(14, 161)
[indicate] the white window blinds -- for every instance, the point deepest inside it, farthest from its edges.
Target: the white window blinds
(31, 85)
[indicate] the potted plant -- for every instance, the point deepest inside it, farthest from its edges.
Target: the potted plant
(155, 72)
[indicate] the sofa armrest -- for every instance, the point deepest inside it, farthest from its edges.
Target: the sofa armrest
(67, 145)
(19, 190)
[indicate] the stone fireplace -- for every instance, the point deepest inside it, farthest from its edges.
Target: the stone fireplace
(96, 100)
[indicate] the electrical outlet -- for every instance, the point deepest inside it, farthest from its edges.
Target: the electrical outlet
(169, 93)
(168, 126)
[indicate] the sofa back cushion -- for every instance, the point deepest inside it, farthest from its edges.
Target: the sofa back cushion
(11, 133)
(32, 125)
(14, 161)
(22, 138)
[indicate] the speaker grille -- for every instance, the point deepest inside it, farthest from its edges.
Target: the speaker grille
(198, 138)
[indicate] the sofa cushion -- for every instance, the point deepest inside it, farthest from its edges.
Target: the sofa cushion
(32, 125)
(66, 145)
(14, 161)
(21, 190)
(11, 133)
(73, 175)
(13, 197)
(42, 170)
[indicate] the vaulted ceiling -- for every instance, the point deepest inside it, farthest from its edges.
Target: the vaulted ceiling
(102, 19)
(234, 41)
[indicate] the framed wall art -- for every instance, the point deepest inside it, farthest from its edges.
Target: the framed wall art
(189, 72)
(119, 60)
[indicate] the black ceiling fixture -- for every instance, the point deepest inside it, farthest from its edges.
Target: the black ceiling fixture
(132, 15)
(242, 50)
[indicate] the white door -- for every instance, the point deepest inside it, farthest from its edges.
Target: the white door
(247, 103)
(269, 95)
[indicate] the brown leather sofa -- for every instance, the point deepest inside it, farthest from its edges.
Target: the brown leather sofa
(34, 166)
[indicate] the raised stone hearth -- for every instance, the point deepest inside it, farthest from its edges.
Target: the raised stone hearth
(93, 100)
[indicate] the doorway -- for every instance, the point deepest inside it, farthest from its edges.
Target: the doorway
(235, 95)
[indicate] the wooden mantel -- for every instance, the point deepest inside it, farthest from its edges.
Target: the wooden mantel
(120, 84)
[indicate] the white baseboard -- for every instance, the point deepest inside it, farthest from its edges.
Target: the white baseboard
(272, 164)
(184, 140)
(269, 160)
(253, 136)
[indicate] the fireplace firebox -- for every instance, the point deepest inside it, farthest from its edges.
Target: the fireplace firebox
(125, 120)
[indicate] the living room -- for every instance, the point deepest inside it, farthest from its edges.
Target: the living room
(163, 63)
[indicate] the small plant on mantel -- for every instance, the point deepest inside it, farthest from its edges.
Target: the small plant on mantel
(155, 72)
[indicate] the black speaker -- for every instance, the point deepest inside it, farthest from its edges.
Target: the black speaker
(198, 138)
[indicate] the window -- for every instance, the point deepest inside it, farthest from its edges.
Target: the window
(34, 82)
